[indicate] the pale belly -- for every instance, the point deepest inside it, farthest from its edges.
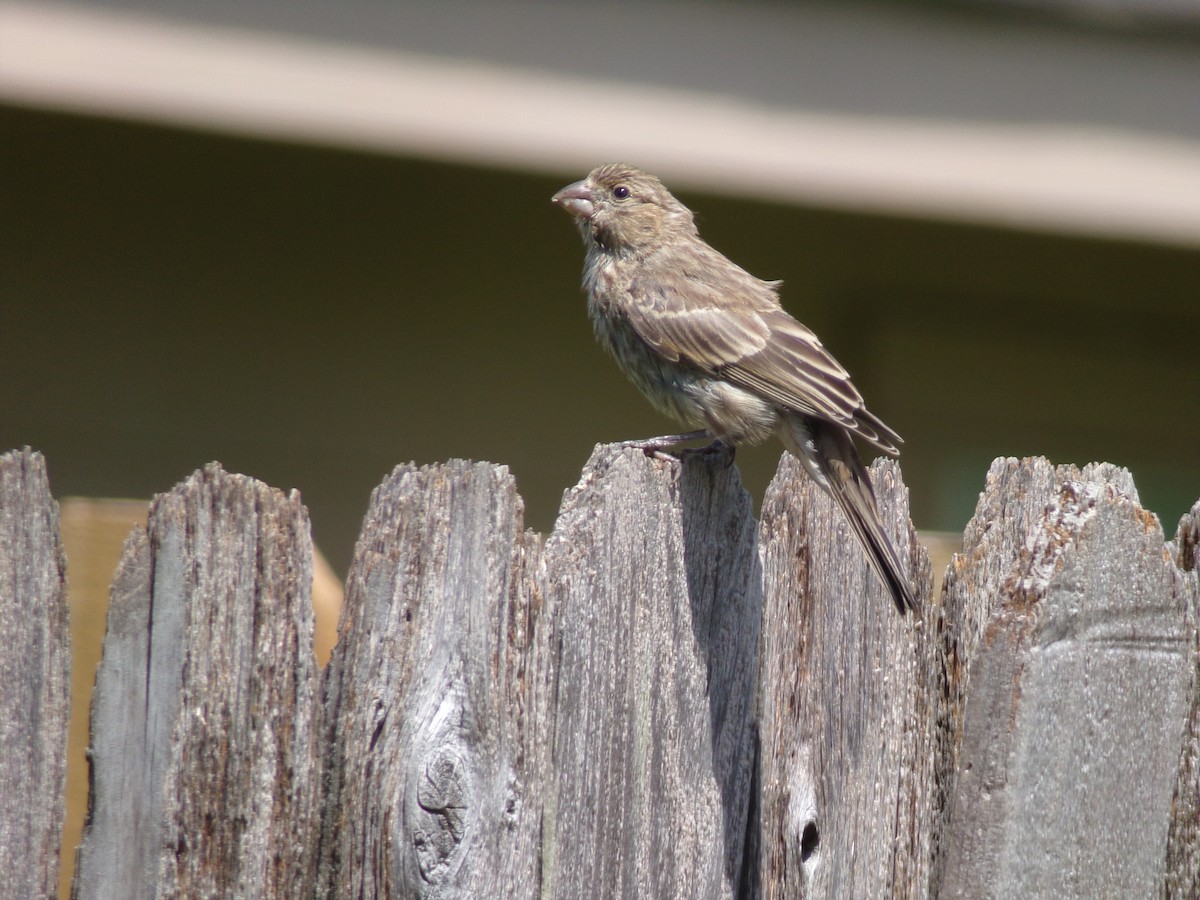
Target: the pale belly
(687, 394)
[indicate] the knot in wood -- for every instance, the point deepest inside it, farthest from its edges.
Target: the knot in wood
(439, 821)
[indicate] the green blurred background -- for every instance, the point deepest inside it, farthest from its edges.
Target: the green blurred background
(313, 316)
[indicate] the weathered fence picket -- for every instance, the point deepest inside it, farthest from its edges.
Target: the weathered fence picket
(849, 701)
(1073, 695)
(35, 678)
(662, 698)
(206, 748)
(436, 695)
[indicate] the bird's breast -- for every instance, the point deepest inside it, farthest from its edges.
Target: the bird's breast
(681, 390)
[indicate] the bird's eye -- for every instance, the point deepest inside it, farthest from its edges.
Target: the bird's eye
(621, 192)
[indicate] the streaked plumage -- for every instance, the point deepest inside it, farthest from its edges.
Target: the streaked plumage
(709, 344)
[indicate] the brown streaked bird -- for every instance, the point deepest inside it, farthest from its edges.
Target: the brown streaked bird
(710, 345)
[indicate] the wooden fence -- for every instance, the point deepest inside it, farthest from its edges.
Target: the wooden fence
(663, 698)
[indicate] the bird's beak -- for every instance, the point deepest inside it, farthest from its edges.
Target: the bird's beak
(577, 199)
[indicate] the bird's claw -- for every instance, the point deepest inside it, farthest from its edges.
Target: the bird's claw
(655, 446)
(650, 448)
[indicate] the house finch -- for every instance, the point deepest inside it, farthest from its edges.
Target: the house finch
(710, 345)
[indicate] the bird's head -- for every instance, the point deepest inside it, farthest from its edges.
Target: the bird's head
(625, 210)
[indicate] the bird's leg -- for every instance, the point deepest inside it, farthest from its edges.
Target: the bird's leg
(655, 445)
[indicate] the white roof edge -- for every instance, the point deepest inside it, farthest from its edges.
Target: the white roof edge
(1063, 179)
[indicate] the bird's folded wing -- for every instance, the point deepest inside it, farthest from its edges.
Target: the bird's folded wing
(750, 341)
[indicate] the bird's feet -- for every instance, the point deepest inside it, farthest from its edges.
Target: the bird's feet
(656, 445)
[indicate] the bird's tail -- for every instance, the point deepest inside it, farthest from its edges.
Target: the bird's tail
(829, 455)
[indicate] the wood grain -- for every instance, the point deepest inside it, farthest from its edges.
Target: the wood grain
(35, 672)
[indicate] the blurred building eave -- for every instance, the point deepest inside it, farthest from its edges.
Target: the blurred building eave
(1079, 175)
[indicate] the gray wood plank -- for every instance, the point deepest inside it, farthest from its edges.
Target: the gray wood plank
(1075, 691)
(205, 719)
(436, 694)
(35, 677)
(653, 567)
(1183, 841)
(847, 711)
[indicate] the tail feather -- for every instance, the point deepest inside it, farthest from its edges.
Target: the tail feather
(829, 455)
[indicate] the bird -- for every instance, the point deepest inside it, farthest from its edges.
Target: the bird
(711, 345)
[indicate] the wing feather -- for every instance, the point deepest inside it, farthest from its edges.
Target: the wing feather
(708, 313)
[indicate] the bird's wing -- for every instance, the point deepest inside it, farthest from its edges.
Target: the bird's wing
(728, 323)
(796, 371)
